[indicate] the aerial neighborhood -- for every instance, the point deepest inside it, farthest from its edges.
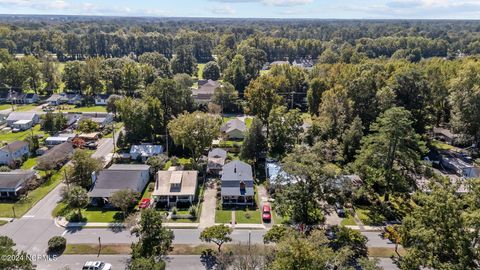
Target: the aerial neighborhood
(244, 144)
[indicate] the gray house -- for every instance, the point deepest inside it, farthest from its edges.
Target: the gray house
(13, 183)
(22, 120)
(118, 177)
(13, 151)
(216, 160)
(237, 183)
(205, 91)
(234, 129)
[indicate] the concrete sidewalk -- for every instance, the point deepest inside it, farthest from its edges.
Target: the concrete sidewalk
(366, 228)
(62, 222)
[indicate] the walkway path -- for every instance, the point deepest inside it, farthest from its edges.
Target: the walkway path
(207, 216)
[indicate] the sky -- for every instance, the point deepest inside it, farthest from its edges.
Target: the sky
(323, 9)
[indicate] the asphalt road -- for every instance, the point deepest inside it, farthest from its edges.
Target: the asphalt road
(182, 236)
(374, 240)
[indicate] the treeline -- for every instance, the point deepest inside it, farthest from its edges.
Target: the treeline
(80, 38)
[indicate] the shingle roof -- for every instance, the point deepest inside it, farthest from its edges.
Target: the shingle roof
(12, 179)
(109, 181)
(14, 146)
(234, 124)
(186, 179)
(217, 153)
(16, 116)
(237, 170)
(129, 167)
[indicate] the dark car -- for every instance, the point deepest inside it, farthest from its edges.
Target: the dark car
(340, 210)
(91, 145)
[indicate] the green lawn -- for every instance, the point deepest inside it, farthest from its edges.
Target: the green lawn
(118, 126)
(23, 205)
(89, 109)
(223, 216)
(8, 136)
(93, 214)
(200, 68)
(5, 107)
(25, 108)
(348, 221)
(3, 222)
(29, 163)
(248, 216)
(441, 145)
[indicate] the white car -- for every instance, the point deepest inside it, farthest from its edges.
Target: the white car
(96, 265)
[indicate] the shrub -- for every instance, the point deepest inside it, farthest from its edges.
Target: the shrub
(247, 215)
(57, 244)
(193, 211)
(174, 210)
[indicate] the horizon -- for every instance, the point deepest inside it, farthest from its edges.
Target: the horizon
(252, 9)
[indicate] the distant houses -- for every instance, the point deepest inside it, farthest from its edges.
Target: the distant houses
(205, 91)
(101, 99)
(14, 151)
(144, 151)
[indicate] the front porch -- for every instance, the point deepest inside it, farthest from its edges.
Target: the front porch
(238, 200)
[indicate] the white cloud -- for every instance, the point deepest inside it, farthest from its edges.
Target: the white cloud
(222, 10)
(278, 3)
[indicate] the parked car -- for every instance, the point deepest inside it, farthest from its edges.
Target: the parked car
(145, 203)
(96, 265)
(340, 210)
(91, 145)
(266, 214)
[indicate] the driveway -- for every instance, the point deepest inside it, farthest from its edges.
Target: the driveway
(263, 199)
(207, 216)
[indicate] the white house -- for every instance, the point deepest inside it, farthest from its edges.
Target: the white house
(52, 141)
(101, 99)
(13, 151)
(14, 117)
(172, 187)
(30, 98)
(144, 151)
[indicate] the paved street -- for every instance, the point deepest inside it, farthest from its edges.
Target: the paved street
(77, 261)
(374, 240)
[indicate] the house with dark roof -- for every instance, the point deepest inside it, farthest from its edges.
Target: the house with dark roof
(234, 129)
(13, 183)
(14, 151)
(56, 156)
(118, 177)
(173, 187)
(237, 183)
(205, 91)
(216, 160)
(56, 99)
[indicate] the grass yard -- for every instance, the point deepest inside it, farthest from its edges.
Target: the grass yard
(348, 221)
(23, 205)
(25, 108)
(223, 216)
(88, 109)
(200, 68)
(5, 107)
(441, 145)
(96, 249)
(93, 214)
(29, 163)
(8, 136)
(118, 126)
(3, 222)
(244, 216)
(384, 252)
